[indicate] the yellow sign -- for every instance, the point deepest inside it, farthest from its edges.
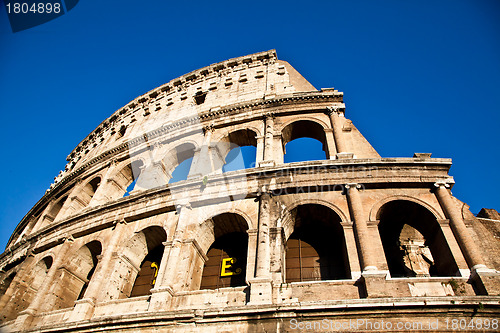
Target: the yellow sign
(155, 267)
(227, 263)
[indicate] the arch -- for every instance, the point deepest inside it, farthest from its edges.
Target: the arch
(178, 161)
(288, 223)
(74, 276)
(27, 288)
(231, 148)
(54, 210)
(305, 128)
(221, 135)
(85, 194)
(413, 242)
(312, 119)
(316, 249)
(125, 175)
(376, 207)
(224, 240)
(134, 272)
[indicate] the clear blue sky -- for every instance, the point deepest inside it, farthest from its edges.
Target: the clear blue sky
(418, 76)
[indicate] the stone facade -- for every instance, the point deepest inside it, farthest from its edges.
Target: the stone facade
(275, 247)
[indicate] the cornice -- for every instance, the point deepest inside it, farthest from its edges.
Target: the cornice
(352, 166)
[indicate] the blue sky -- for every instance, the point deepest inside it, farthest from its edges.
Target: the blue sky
(418, 76)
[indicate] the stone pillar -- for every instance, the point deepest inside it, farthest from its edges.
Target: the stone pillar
(15, 286)
(163, 290)
(252, 253)
(260, 285)
(25, 317)
(259, 158)
(202, 163)
(487, 280)
(352, 252)
(373, 279)
(262, 268)
(465, 241)
(360, 227)
(152, 176)
(100, 195)
(268, 141)
(330, 143)
(337, 119)
(169, 269)
(84, 308)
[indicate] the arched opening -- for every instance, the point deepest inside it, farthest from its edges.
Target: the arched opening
(6, 283)
(414, 244)
(227, 255)
(90, 189)
(146, 278)
(240, 158)
(316, 250)
(127, 177)
(74, 277)
(83, 198)
(54, 211)
(304, 140)
(26, 289)
(142, 259)
(179, 161)
(239, 150)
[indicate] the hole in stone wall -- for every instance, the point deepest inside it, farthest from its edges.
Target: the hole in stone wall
(199, 98)
(122, 131)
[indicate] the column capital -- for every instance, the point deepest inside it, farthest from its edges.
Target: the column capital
(441, 183)
(338, 110)
(181, 205)
(208, 128)
(269, 115)
(67, 239)
(353, 185)
(118, 222)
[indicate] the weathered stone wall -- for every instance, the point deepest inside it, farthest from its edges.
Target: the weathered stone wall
(74, 259)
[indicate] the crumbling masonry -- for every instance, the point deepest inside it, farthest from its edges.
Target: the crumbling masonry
(117, 244)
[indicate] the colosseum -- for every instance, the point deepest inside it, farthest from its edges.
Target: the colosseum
(147, 229)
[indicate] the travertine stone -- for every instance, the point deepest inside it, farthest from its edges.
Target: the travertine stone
(316, 248)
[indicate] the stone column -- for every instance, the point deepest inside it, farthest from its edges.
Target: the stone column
(152, 176)
(330, 143)
(163, 291)
(84, 308)
(260, 285)
(486, 280)
(268, 141)
(465, 241)
(169, 270)
(371, 277)
(259, 156)
(263, 253)
(352, 252)
(337, 119)
(25, 317)
(361, 227)
(202, 162)
(252, 253)
(15, 290)
(100, 195)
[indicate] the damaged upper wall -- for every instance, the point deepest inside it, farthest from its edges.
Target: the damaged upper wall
(233, 81)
